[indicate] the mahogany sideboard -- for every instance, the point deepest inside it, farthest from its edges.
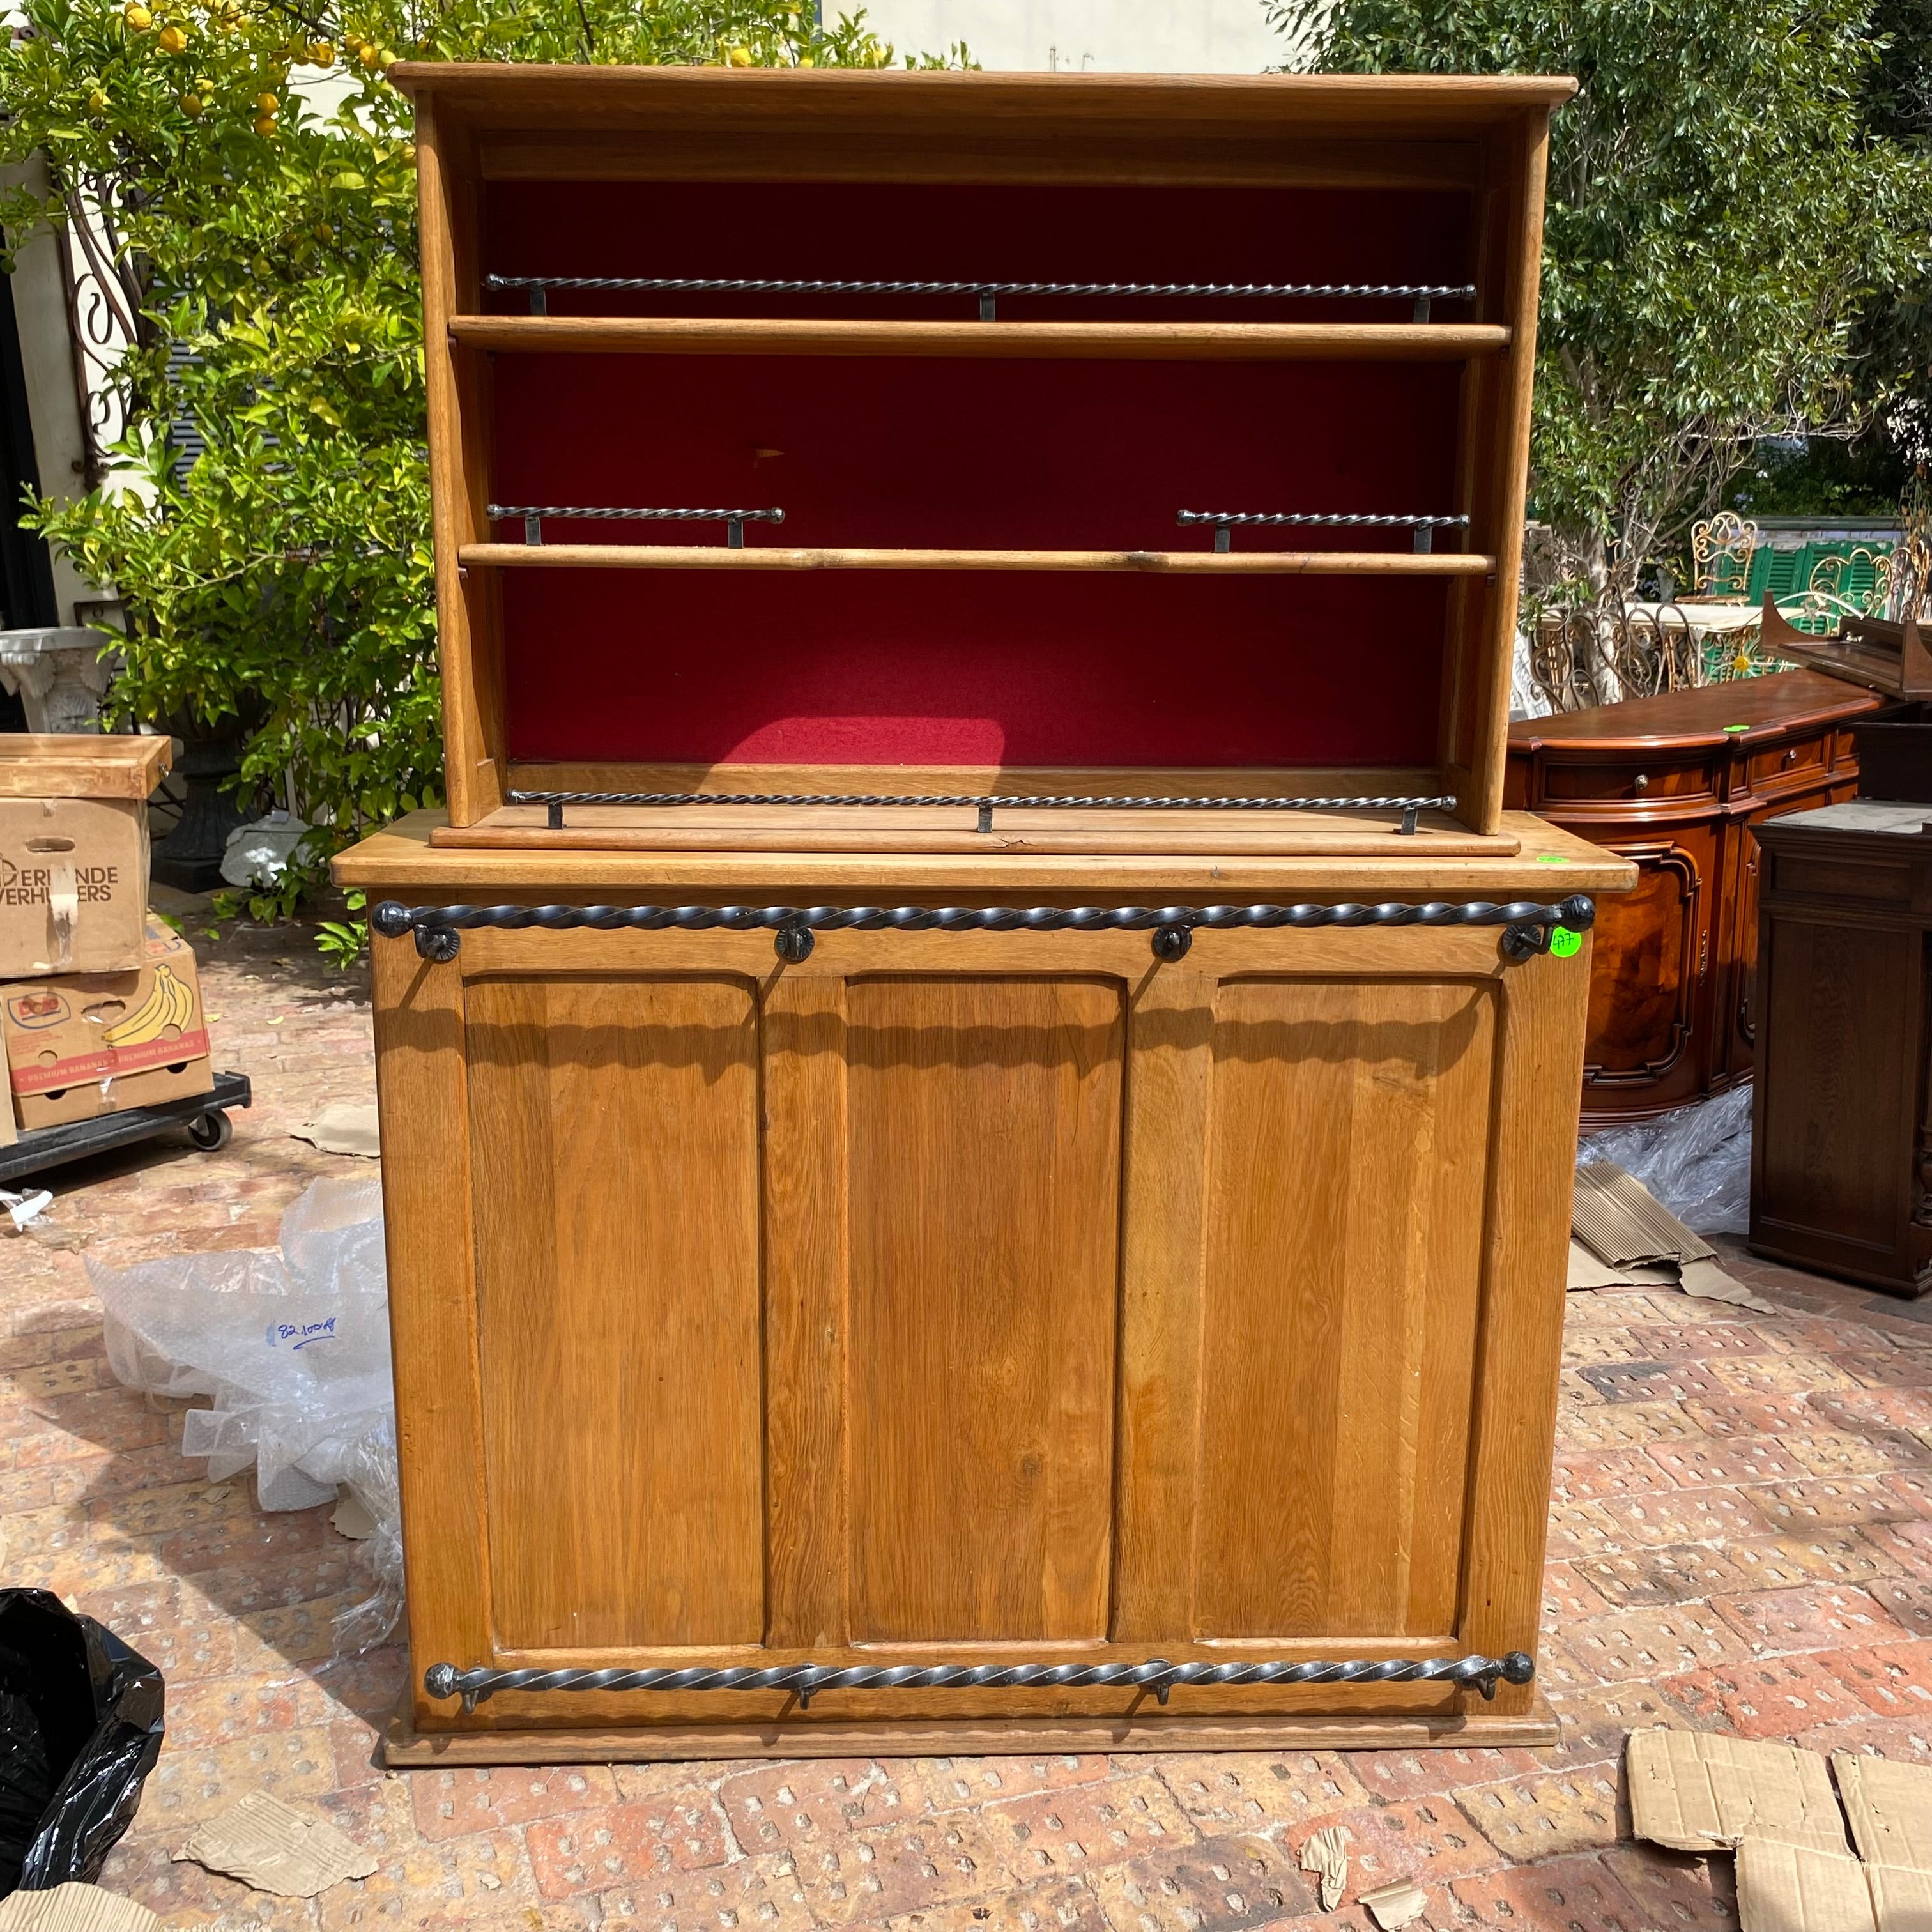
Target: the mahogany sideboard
(977, 1145)
(1841, 1122)
(1675, 783)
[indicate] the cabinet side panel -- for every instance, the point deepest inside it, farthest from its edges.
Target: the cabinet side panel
(1652, 946)
(1350, 1143)
(986, 1150)
(614, 1125)
(1828, 1128)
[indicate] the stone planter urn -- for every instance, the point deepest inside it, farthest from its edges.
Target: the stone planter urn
(59, 675)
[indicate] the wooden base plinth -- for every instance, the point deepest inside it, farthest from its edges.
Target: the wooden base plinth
(404, 1747)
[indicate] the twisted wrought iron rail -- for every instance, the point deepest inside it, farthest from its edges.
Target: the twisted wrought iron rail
(1421, 293)
(1527, 926)
(533, 514)
(1225, 522)
(986, 803)
(806, 1680)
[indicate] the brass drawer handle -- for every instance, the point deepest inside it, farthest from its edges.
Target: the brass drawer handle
(806, 1681)
(1642, 785)
(1528, 927)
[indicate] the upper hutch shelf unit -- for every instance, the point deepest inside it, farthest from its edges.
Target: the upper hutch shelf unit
(931, 438)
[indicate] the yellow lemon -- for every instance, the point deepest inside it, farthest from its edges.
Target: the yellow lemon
(97, 102)
(138, 18)
(321, 54)
(268, 104)
(172, 39)
(265, 124)
(386, 58)
(739, 56)
(368, 53)
(190, 104)
(806, 60)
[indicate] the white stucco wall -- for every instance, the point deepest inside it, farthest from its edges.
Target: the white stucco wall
(1105, 36)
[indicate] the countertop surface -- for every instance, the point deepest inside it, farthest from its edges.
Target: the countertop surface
(1548, 863)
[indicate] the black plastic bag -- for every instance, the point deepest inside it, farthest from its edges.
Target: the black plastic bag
(80, 1727)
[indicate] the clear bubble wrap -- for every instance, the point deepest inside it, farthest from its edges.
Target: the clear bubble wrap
(291, 1348)
(1695, 1160)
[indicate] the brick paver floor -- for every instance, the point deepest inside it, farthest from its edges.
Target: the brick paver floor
(1741, 1536)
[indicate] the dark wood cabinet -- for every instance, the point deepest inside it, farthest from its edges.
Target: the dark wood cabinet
(1841, 1145)
(1676, 783)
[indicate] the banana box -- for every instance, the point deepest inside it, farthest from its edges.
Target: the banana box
(87, 1043)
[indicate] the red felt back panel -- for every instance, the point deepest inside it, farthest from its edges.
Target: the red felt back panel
(974, 455)
(967, 668)
(874, 231)
(1020, 668)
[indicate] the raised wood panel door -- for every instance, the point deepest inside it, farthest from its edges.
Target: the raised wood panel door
(1653, 953)
(613, 1139)
(984, 1172)
(1349, 1148)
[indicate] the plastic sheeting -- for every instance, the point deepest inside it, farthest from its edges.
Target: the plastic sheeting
(80, 1727)
(1695, 1160)
(292, 1349)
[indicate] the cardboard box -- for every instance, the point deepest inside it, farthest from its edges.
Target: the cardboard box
(74, 851)
(91, 1043)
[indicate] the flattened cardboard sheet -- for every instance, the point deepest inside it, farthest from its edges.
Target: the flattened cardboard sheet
(1901, 1900)
(1585, 1271)
(1695, 1791)
(1707, 1280)
(1790, 1889)
(274, 1848)
(74, 1908)
(1704, 1279)
(1619, 1221)
(1890, 1806)
(344, 1128)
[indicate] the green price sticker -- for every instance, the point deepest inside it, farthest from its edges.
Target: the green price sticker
(1551, 858)
(1737, 728)
(1564, 943)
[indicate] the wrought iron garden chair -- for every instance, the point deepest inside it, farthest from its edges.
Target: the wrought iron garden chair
(1721, 548)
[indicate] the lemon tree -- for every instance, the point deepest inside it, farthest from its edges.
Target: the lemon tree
(1727, 211)
(247, 169)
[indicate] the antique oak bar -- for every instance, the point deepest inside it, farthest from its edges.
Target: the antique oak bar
(978, 1092)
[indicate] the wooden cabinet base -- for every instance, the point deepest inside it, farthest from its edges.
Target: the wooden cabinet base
(403, 1746)
(858, 1301)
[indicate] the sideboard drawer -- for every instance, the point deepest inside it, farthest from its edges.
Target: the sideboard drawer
(1797, 763)
(1647, 778)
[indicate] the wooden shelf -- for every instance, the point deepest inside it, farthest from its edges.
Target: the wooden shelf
(1141, 341)
(1205, 563)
